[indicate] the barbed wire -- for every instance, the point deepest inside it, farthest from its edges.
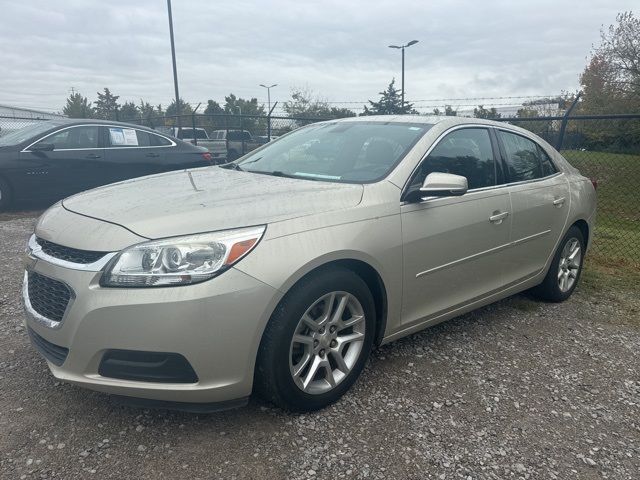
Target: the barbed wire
(418, 104)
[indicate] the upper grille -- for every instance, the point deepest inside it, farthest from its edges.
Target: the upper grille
(47, 296)
(69, 254)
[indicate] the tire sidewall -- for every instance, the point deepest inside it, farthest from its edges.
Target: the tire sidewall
(552, 276)
(300, 299)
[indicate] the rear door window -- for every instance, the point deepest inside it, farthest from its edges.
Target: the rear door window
(525, 159)
(125, 137)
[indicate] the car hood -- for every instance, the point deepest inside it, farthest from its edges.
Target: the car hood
(208, 199)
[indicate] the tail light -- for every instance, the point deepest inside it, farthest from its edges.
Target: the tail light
(207, 156)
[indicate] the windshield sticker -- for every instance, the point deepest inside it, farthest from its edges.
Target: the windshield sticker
(123, 136)
(317, 175)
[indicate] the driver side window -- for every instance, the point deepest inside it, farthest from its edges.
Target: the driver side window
(466, 152)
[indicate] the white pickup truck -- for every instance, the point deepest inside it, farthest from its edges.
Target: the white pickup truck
(198, 136)
(235, 142)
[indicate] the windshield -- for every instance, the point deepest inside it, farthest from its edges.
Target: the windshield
(23, 134)
(352, 152)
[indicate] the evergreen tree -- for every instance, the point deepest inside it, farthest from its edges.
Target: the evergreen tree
(146, 110)
(106, 105)
(128, 112)
(390, 103)
(78, 107)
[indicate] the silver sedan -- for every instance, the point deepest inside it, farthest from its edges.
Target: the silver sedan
(279, 272)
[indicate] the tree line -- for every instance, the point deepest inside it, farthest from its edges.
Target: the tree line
(610, 84)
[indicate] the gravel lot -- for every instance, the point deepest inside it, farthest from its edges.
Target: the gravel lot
(519, 389)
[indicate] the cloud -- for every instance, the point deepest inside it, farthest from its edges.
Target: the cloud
(337, 48)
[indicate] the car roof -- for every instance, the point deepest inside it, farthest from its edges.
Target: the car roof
(69, 122)
(444, 122)
(418, 119)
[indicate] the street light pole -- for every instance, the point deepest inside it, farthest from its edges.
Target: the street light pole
(402, 47)
(269, 108)
(173, 59)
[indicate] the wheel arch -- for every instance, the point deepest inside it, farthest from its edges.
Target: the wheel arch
(584, 229)
(366, 271)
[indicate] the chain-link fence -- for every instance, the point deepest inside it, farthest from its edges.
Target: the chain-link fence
(245, 132)
(607, 150)
(11, 124)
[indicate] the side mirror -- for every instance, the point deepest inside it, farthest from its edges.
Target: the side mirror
(444, 185)
(42, 147)
(440, 185)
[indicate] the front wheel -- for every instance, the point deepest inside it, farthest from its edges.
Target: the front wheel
(317, 341)
(565, 269)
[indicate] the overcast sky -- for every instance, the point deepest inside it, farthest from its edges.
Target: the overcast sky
(337, 48)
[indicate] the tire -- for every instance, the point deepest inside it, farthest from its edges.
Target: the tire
(563, 269)
(280, 356)
(5, 194)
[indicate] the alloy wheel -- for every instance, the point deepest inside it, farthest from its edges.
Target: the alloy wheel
(327, 342)
(569, 266)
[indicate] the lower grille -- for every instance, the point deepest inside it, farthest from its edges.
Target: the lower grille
(159, 367)
(47, 296)
(52, 352)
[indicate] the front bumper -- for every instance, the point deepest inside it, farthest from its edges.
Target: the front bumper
(216, 325)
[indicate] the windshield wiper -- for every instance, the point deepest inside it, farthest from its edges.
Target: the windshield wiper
(279, 173)
(232, 166)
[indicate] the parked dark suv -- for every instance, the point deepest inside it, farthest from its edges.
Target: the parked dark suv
(53, 159)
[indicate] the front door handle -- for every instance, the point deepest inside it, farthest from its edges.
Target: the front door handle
(558, 202)
(153, 155)
(93, 155)
(497, 217)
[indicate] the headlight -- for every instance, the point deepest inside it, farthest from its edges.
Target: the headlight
(180, 260)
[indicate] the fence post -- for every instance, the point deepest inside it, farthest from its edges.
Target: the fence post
(193, 126)
(269, 122)
(226, 136)
(565, 120)
(242, 132)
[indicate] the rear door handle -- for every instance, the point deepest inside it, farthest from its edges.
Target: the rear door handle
(558, 202)
(498, 217)
(93, 155)
(153, 155)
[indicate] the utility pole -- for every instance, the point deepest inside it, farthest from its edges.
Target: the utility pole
(269, 108)
(173, 59)
(402, 47)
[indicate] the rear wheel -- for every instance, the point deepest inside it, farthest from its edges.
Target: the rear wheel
(5, 194)
(565, 269)
(317, 341)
